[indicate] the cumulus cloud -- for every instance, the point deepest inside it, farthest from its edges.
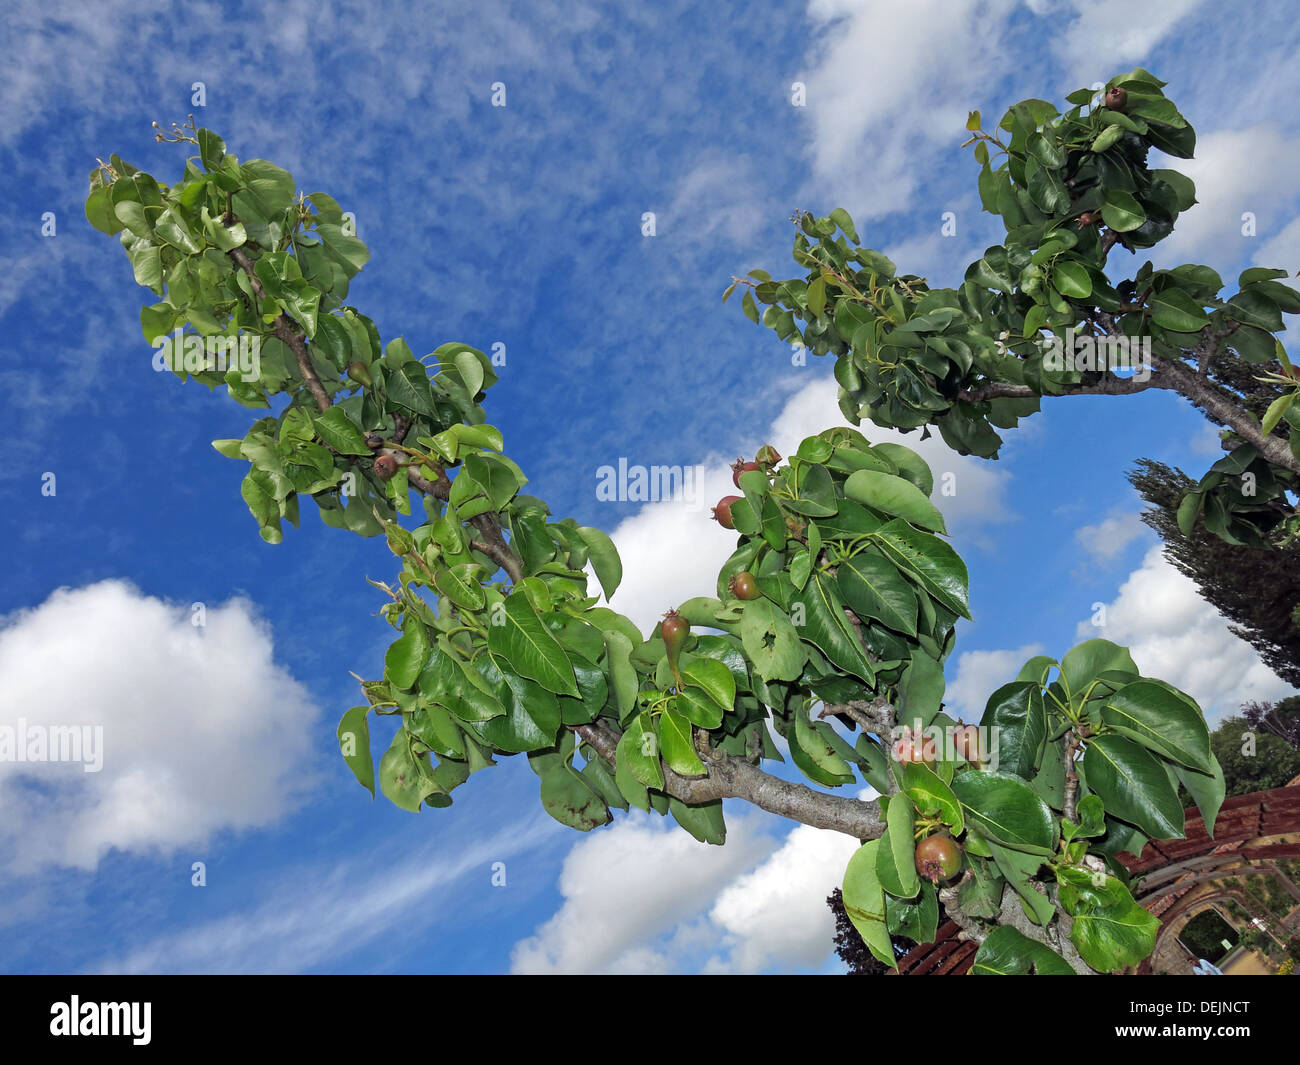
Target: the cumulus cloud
(912, 105)
(672, 550)
(643, 897)
(1177, 636)
(1106, 541)
(1119, 30)
(979, 674)
(776, 915)
(631, 885)
(1237, 171)
(201, 729)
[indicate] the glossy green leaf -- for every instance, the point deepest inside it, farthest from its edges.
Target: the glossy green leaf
(1017, 728)
(1133, 786)
(521, 639)
(936, 565)
(895, 496)
(1162, 722)
(864, 902)
(1006, 810)
(1009, 952)
(354, 745)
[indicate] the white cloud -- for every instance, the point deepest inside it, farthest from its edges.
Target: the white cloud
(1115, 33)
(1236, 171)
(776, 916)
(643, 897)
(981, 673)
(1106, 540)
(202, 731)
(672, 551)
(892, 83)
(629, 885)
(1177, 636)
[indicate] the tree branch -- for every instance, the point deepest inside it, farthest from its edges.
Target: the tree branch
(1110, 386)
(734, 778)
(1219, 405)
(876, 715)
(286, 332)
(1013, 913)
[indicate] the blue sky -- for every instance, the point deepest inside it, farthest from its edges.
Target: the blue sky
(521, 225)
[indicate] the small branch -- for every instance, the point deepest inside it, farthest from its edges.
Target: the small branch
(286, 332)
(1071, 779)
(1110, 386)
(971, 929)
(875, 715)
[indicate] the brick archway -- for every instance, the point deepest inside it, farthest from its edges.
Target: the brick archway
(1241, 833)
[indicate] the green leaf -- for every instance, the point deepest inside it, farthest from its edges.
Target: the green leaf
(1008, 952)
(399, 775)
(873, 588)
(917, 919)
(1114, 936)
(1133, 786)
(826, 626)
(980, 895)
(901, 850)
(816, 296)
(571, 800)
(354, 745)
(460, 584)
(931, 795)
(864, 902)
(895, 496)
(532, 714)
(1276, 410)
(523, 641)
(622, 674)
(1206, 789)
(1085, 662)
(1006, 810)
(677, 744)
(713, 678)
(1121, 211)
(1072, 279)
(638, 752)
(340, 432)
(815, 754)
(704, 821)
(1174, 309)
(936, 565)
(1019, 868)
(920, 691)
(1017, 727)
(1162, 722)
(699, 708)
(604, 559)
(405, 656)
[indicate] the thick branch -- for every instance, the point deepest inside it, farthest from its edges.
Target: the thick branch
(1013, 914)
(734, 778)
(1219, 405)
